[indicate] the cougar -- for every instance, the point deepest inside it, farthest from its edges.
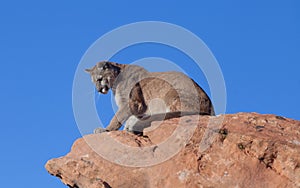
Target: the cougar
(143, 97)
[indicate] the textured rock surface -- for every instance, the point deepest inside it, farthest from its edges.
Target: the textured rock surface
(245, 150)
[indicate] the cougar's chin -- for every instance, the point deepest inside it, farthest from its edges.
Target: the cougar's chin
(103, 90)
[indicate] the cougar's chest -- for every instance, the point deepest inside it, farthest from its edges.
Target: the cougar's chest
(121, 97)
(118, 99)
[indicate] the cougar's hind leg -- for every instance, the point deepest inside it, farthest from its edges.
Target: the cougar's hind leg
(137, 103)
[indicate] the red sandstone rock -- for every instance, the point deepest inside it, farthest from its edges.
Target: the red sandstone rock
(239, 150)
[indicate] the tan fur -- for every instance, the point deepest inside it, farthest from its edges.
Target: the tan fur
(141, 94)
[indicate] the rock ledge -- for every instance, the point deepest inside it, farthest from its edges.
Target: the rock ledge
(244, 150)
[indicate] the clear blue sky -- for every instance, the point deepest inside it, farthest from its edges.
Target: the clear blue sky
(256, 43)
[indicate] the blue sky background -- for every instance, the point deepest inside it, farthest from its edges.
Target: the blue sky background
(256, 43)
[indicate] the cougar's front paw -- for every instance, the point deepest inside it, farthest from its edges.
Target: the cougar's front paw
(131, 121)
(100, 130)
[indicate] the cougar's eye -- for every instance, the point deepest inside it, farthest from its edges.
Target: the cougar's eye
(99, 79)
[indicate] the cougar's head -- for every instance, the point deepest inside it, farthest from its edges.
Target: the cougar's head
(103, 75)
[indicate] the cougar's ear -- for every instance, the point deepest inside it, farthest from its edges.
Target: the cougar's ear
(88, 70)
(106, 65)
